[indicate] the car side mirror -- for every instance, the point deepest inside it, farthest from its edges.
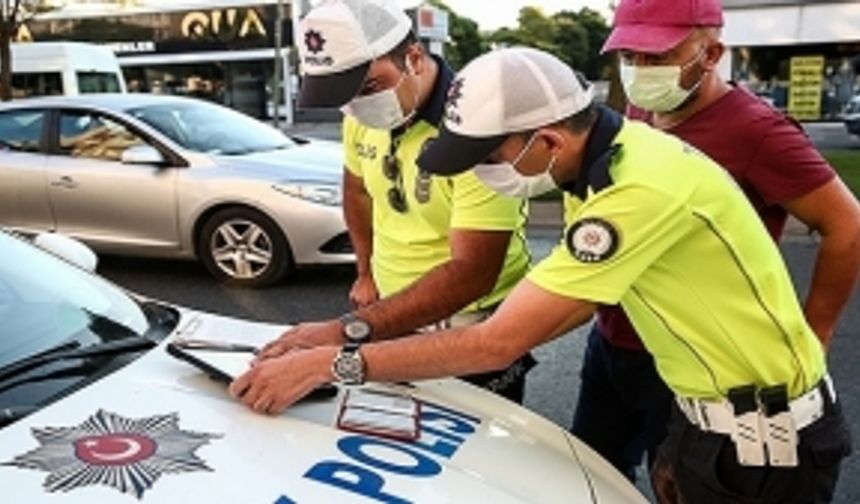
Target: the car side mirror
(68, 249)
(142, 155)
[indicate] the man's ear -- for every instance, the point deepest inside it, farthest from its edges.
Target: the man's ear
(713, 54)
(552, 139)
(415, 59)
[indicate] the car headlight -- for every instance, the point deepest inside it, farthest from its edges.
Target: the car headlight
(315, 192)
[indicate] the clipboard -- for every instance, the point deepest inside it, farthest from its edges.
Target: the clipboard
(224, 362)
(217, 362)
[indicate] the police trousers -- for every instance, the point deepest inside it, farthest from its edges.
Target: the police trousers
(704, 466)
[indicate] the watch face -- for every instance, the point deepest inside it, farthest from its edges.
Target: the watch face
(349, 367)
(356, 330)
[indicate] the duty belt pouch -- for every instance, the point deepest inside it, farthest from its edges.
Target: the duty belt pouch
(780, 430)
(747, 432)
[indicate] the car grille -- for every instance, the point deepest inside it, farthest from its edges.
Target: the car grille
(340, 244)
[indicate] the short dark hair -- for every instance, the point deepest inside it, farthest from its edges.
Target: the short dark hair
(398, 54)
(577, 123)
(581, 121)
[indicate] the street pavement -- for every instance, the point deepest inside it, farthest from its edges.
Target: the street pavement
(829, 136)
(317, 293)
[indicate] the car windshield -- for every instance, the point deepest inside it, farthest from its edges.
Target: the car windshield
(208, 128)
(45, 302)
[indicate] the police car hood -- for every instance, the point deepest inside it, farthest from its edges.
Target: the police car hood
(160, 431)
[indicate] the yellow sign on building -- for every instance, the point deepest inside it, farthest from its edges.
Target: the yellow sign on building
(804, 94)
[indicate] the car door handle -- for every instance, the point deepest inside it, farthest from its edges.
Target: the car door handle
(65, 182)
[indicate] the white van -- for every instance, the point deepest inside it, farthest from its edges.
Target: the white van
(64, 68)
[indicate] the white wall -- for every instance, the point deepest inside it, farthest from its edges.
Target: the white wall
(807, 24)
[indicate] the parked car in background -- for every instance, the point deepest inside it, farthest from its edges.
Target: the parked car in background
(851, 116)
(172, 177)
(94, 410)
(64, 68)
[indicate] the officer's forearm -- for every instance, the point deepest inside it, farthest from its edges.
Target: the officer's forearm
(443, 291)
(358, 214)
(455, 352)
(837, 270)
(529, 317)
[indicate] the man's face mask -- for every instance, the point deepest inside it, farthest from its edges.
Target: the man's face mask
(505, 179)
(658, 88)
(382, 110)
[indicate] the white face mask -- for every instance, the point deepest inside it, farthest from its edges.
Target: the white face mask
(505, 179)
(657, 88)
(381, 110)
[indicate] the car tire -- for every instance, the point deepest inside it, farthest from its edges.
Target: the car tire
(243, 247)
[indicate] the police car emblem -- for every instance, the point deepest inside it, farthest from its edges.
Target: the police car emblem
(108, 449)
(592, 240)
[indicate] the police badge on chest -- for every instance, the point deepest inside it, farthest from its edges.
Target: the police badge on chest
(423, 182)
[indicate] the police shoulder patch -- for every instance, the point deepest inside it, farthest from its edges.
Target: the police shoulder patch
(592, 240)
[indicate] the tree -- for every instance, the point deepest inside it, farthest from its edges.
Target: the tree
(465, 41)
(572, 41)
(13, 14)
(598, 30)
(574, 37)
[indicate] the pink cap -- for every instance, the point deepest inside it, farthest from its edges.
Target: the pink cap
(655, 26)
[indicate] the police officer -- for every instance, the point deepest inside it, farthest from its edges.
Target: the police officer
(668, 52)
(652, 221)
(415, 235)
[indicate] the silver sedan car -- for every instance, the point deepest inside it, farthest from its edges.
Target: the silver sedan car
(172, 177)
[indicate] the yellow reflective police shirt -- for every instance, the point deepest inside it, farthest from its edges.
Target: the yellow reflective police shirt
(672, 238)
(408, 245)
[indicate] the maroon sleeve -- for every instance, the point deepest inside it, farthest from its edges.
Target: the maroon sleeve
(637, 114)
(786, 165)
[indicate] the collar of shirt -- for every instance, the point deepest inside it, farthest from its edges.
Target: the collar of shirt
(432, 111)
(599, 151)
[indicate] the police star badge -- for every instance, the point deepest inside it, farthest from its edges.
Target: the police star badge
(108, 449)
(314, 42)
(592, 240)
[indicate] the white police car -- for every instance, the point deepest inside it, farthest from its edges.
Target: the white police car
(93, 410)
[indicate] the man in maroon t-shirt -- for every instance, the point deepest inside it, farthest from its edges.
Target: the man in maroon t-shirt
(668, 52)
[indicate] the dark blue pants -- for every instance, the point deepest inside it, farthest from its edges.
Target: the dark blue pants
(624, 407)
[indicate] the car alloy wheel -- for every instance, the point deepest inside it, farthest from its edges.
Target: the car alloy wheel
(241, 249)
(244, 247)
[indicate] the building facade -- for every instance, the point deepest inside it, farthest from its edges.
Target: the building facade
(802, 55)
(220, 50)
(221, 53)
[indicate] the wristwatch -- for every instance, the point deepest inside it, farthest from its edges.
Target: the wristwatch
(355, 330)
(348, 365)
